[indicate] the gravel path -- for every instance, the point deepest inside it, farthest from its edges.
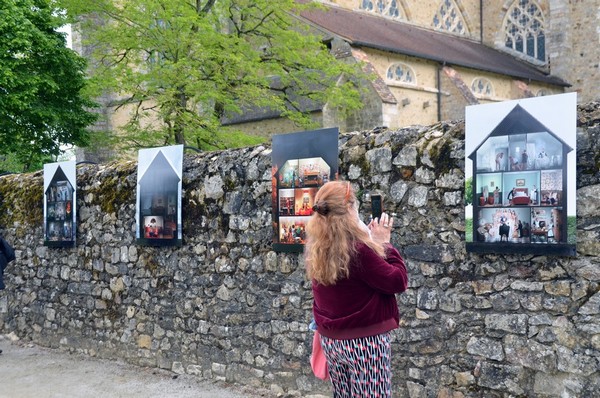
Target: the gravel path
(30, 371)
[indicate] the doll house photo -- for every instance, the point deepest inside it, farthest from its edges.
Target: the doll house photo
(159, 196)
(59, 199)
(302, 163)
(519, 186)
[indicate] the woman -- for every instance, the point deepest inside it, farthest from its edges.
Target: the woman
(355, 272)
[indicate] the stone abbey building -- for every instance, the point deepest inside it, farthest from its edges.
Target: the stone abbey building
(431, 58)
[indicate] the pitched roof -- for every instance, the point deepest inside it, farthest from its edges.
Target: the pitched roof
(160, 172)
(519, 121)
(371, 31)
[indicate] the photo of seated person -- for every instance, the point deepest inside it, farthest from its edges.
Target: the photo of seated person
(153, 226)
(550, 198)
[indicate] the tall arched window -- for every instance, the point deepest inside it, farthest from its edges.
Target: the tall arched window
(387, 8)
(524, 29)
(482, 87)
(401, 73)
(449, 18)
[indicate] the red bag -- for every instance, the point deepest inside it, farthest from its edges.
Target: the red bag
(318, 362)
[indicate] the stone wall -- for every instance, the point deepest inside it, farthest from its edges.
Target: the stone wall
(225, 306)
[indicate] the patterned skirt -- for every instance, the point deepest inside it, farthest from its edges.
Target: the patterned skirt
(361, 367)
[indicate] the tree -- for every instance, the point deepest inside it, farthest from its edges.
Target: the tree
(179, 66)
(469, 191)
(42, 101)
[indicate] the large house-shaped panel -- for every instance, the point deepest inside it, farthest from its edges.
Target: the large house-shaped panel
(519, 188)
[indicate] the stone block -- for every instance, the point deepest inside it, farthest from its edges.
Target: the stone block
(485, 347)
(529, 353)
(527, 286)
(516, 323)
(592, 306)
(380, 159)
(502, 378)
(144, 341)
(407, 156)
(464, 379)
(427, 299)
(558, 288)
(576, 363)
(417, 196)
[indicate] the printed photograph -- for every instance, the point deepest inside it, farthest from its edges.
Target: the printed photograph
(302, 163)
(60, 194)
(520, 176)
(158, 200)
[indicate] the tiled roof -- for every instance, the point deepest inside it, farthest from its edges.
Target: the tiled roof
(363, 30)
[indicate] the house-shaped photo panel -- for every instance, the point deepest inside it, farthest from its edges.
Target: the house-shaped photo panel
(521, 176)
(302, 163)
(60, 199)
(158, 210)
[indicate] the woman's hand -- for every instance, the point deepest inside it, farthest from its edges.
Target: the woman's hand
(381, 229)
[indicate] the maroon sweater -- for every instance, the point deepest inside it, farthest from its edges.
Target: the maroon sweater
(363, 304)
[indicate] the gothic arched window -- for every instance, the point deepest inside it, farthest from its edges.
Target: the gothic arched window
(401, 73)
(524, 29)
(482, 87)
(449, 18)
(387, 8)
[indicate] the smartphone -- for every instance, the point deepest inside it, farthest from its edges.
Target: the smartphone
(376, 206)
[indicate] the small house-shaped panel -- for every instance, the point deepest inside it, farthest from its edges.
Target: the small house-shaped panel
(159, 190)
(59, 204)
(519, 188)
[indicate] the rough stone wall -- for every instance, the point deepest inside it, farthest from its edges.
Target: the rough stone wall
(224, 306)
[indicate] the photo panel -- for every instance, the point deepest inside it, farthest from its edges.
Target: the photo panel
(60, 197)
(158, 203)
(302, 163)
(520, 170)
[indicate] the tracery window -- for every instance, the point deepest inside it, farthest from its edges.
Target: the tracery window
(449, 18)
(524, 29)
(482, 87)
(387, 8)
(402, 73)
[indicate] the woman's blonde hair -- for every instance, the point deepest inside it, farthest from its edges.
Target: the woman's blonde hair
(332, 234)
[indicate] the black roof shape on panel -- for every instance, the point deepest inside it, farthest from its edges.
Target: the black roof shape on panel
(371, 31)
(519, 121)
(59, 175)
(159, 170)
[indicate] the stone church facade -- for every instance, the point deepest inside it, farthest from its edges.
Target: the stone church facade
(431, 58)
(467, 52)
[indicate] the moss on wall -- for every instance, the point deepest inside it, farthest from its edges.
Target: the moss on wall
(21, 199)
(116, 190)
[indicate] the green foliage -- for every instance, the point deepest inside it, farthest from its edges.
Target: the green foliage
(468, 230)
(469, 191)
(179, 66)
(42, 105)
